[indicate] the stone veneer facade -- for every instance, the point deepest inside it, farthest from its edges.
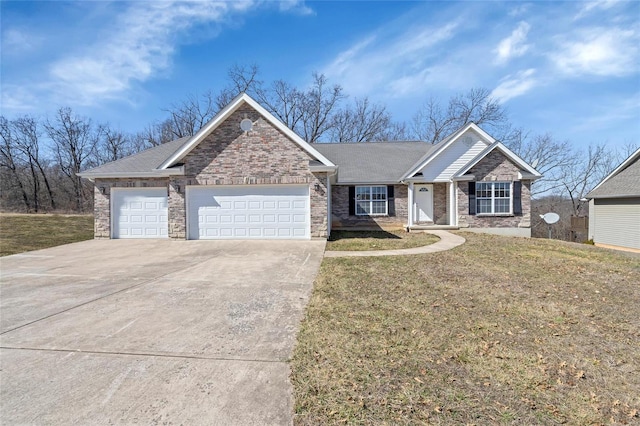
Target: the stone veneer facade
(494, 167)
(341, 219)
(229, 156)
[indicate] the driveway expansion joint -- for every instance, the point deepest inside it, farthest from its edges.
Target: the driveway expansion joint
(146, 354)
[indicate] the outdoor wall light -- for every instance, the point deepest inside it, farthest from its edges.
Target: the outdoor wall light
(102, 189)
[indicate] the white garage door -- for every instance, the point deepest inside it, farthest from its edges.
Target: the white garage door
(248, 212)
(139, 212)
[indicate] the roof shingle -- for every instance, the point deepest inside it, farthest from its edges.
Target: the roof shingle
(625, 183)
(373, 162)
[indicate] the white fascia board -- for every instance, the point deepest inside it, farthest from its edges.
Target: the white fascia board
(454, 137)
(625, 163)
(528, 176)
(463, 178)
(319, 169)
(224, 114)
(179, 171)
(506, 151)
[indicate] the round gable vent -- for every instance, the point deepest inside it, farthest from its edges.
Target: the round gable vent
(246, 125)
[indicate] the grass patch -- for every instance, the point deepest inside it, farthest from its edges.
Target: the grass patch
(378, 240)
(26, 232)
(497, 331)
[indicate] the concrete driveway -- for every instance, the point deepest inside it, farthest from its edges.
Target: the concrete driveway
(152, 332)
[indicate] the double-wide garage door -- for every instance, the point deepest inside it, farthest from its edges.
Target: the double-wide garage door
(139, 213)
(248, 212)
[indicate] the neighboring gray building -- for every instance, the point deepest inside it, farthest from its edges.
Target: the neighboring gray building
(614, 207)
(246, 175)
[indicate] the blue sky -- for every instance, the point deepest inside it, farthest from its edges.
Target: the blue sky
(569, 68)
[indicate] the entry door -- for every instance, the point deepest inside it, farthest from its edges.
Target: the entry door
(423, 194)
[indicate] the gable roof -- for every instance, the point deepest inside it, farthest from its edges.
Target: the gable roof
(373, 162)
(444, 144)
(142, 164)
(221, 116)
(623, 181)
(532, 173)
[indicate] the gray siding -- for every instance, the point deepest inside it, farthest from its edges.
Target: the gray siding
(617, 222)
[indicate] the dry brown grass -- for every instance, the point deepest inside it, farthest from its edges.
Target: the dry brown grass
(378, 240)
(26, 232)
(497, 331)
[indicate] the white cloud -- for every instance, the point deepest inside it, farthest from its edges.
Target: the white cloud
(19, 41)
(600, 51)
(588, 7)
(514, 45)
(296, 6)
(138, 46)
(392, 61)
(513, 86)
(519, 10)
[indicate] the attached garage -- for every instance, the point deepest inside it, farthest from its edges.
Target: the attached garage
(139, 213)
(248, 212)
(617, 222)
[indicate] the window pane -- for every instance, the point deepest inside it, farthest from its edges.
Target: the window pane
(483, 189)
(362, 207)
(379, 207)
(484, 205)
(363, 192)
(502, 205)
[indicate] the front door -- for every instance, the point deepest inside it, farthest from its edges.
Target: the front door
(423, 195)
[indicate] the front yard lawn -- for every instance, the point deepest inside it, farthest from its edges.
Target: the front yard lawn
(26, 232)
(497, 331)
(378, 240)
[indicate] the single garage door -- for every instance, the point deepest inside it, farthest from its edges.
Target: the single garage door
(248, 212)
(139, 212)
(617, 222)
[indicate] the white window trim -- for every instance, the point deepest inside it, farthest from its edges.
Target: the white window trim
(371, 200)
(493, 199)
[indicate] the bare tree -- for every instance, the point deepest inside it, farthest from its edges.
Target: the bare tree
(189, 115)
(74, 141)
(360, 122)
(320, 102)
(242, 79)
(9, 161)
(112, 145)
(589, 169)
(284, 101)
(434, 121)
(548, 156)
(28, 140)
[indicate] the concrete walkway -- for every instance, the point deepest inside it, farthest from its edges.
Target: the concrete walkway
(447, 242)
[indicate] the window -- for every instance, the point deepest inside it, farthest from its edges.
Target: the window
(371, 200)
(493, 197)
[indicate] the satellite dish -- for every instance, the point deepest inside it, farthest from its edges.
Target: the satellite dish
(550, 218)
(535, 163)
(246, 125)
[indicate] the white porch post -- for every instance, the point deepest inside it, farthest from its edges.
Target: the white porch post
(453, 204)
(410, 208)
